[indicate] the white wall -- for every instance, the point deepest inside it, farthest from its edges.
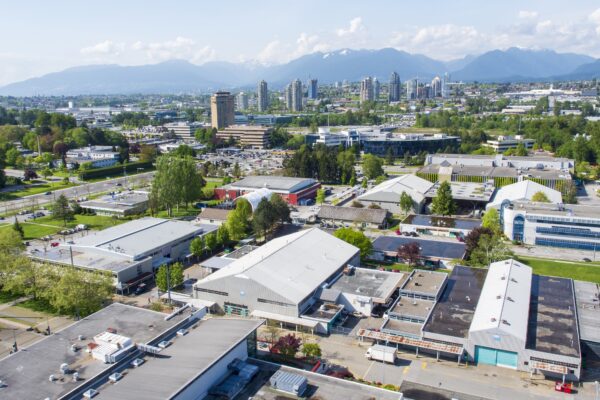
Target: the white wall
(351, 303)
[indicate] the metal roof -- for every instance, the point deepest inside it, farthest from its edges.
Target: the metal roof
(504, 300)
(524, 190)
(275, 183)
(370, 215)
(255, 197)
(391, 189)
(587, 295)
(429, 248)
(293, 265)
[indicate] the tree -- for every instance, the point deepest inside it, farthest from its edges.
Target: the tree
(372, 166)
(357, 239)
(12, 156)
(25, 277)
(237, 171)
(10, 242)
(184, 151)
(364, 184)
(80, 292)
(46, 172)
(264, 217)
(443, 203)
(238, 220)
(521, 151)
(281, 209)
(406, 203)
(540, 197)
(389, 156)
(472, 239)
(357, 204)
(311, 350)
(197, 246)
(29, 174)
(491, 220)
(176, 181)
(175, 272)
(320, 196)
(287, 345)
(61, 210)
(223, 236)
(18, 228)
(490, 248)
(210, 241)
(410, 252)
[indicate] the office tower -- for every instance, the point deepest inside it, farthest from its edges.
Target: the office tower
(366, 89)
(242, 101)
(287, 94)
(411, 89)
(436, 87)
(376, 89)
(445, 89)
(394, 90)
(296, 95)
(221, 110)
(263, 96)
(313, 89)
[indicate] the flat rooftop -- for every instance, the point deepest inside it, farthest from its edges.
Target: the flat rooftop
(409, 307)
(587, 297)
(123, 201)
(321, 310)
(379, 285)
(163, 377)
(26, 372)
(564, 210)
(319, 386)
(85, 258)
(441, 222)
(429, 248)
(466, 191)
(398, 327)
(453, 312)
(552, 317)
(423, 281)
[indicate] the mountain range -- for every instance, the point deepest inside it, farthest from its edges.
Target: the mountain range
(177, 76)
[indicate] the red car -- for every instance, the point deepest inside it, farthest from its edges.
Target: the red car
(54, 244)
(563, 387)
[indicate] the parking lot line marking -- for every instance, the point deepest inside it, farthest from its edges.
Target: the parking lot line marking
(368, 369)
(405, 370)
(423, 365)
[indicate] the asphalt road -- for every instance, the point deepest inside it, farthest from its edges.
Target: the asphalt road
(36, 200)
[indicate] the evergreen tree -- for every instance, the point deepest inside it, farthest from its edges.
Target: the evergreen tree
(61, 210)
(443, 203)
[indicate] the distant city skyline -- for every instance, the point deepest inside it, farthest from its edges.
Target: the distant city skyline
(42, 37)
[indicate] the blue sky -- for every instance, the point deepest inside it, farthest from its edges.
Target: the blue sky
(45, 36)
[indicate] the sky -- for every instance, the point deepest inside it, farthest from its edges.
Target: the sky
(41, 36)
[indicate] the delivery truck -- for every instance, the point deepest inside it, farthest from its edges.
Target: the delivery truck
(381, 353)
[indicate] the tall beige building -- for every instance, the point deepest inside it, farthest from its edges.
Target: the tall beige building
(221, 109)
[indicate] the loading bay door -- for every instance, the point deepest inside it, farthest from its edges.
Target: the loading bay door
(500, 358)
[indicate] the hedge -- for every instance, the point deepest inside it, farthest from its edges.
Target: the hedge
(114, 170)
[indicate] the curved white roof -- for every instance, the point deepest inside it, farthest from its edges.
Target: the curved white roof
(256, 196)
(504, 300)
(391, 189)
(523, 190)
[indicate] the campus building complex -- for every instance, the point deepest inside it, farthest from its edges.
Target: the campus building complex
(292, 190)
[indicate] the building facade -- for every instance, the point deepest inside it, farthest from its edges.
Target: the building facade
(296, 94)
(366, 90)
(394, 87)
(222, 110)
(313, 89)
(262, 96)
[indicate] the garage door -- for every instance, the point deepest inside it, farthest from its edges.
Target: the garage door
(501, 358)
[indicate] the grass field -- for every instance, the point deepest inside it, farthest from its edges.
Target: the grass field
(575, 270)
(35, 189)
(44, 226)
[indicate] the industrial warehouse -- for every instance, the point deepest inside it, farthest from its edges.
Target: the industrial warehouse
(282, 282)
(504, 316)
(292, 190)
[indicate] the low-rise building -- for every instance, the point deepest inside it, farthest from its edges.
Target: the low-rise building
(183, 130)
(252, 136)
(387, 194)
(501, 143)
(131, 252)
(557, 225)
(214, 216)
(522, 191)
(292, 190)
(334, 216)
(120, 204)
(97, 156)
(432, 252)
(438, 226)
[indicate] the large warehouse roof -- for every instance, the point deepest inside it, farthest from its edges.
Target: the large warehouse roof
(275, 183)
(429, 248)
(504, 300)
(293, 265)
(391, 189)
(524, 190)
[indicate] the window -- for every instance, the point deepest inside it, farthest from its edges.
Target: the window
(518, 228)
(212, 291)
(277, 303)
(567, 244)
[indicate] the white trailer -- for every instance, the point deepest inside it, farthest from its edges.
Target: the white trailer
(381, 353)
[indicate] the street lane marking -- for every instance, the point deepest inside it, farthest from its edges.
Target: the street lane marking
(405, 370)
(368, 369)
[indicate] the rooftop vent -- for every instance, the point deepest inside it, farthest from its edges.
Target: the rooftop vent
(51, 378)
(64, 368)
(493, 319)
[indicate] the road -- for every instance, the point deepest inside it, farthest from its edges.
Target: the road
(36, 200)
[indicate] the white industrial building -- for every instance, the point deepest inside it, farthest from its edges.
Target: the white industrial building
(523, 191)
(131, 252)
(557, 225)
(387, 194)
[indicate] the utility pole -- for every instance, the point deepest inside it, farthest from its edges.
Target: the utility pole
(169, 283)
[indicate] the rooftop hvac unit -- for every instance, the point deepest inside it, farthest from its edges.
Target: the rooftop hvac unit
(51, 378)
(64, 368)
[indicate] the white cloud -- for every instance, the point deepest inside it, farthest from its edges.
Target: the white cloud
(276, 52)
(523, 14)
(355, 26)
(178, 48)
(105, 48)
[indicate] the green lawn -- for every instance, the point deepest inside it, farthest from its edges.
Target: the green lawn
(37, 189)
(5, 297)
(33, 231)
(182, 212)
(97, 222)
(564, 269)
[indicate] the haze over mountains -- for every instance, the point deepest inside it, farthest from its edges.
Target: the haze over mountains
(179, 76)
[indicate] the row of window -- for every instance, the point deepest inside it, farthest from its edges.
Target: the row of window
(212, 291)
(564, 221)
(557, 230)
(569, 244)
(277, 303)
(564, 364)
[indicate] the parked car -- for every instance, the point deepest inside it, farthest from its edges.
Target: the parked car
(54, 244)
(587, 259)
(48, 193)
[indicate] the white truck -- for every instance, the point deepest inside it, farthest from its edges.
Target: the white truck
(381, 353)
